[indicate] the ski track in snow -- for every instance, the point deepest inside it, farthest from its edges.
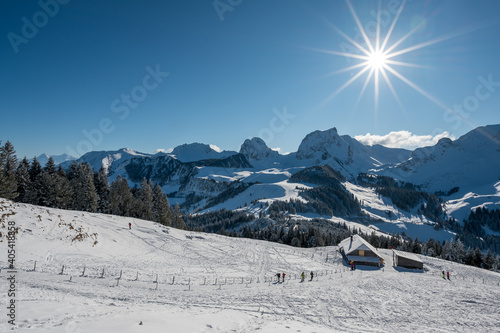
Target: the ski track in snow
(243, 299)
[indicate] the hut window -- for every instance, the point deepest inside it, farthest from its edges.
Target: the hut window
(362, 253)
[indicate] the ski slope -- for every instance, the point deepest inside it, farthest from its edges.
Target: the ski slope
(211, 283)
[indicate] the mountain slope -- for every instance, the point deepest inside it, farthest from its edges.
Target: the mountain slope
(244, 298)
(471, 161)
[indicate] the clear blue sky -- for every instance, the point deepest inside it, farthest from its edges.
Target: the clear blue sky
(225, 77)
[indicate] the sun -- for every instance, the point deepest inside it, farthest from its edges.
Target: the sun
(377, 60)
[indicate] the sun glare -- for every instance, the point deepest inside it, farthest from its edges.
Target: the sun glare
(376, 60)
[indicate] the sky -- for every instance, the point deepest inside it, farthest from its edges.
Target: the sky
(80, 76)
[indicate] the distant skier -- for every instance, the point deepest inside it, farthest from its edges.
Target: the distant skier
(312, 275)
(129, 226)
(443, 274)
(279, 277)
(448, 275)
(283, 277)
(302, 277)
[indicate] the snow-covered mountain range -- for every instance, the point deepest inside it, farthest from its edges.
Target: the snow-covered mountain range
(466, 169)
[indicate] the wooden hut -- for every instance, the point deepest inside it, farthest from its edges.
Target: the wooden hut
(359, 251)
(406, 259)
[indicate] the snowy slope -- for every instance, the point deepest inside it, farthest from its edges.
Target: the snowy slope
(113, 161)
(58, 159)
(199, 151)
(243, 299)
(471, 161)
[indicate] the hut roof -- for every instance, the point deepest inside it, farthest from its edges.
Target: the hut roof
(407, 255)
(357, 243)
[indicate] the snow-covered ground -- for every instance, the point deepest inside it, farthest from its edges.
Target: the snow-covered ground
(244, 298)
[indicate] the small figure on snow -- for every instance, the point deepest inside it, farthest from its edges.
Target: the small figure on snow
(448, 275)
(312, 275)
(283, 277)
(279, 276)
(443, 274)
(129, 226)
(302, 277)
(352, 265)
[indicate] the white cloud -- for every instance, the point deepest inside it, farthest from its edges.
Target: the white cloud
(166, 151)
(402, 139)
(217, 149)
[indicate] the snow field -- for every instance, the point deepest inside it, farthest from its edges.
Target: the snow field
(366, 300)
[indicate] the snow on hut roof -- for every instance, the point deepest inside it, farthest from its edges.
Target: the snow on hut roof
(357, 243)
(407, 255)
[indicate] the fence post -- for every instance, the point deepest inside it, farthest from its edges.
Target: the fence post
(83, 273)
(120, 275)
(137, 276)
(155, 280)
(34, 267)
(62, 270)
(117, 281)
(173, 279)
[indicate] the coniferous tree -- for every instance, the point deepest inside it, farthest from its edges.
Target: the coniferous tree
(478, 258)
(120, 198)
(23, 180)
(82, 183)
(8, 166)
(489, 260)
(47, 184)
(177, 221)
(35, 173)
(103, 189)
(469, 257)
(64, 190)
(162, 213)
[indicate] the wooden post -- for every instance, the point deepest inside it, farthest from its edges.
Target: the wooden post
(83, 273)
(62, 270)
(137, 276)
(117, 282)
(120, 275)
(34, 267)
(155, 280)
(173, 279)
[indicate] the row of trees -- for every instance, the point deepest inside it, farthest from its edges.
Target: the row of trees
(81, 188)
